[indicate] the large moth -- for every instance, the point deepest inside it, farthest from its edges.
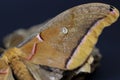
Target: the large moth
(65, 42)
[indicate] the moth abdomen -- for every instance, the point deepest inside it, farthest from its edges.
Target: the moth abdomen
(12, 57)
(20, 70)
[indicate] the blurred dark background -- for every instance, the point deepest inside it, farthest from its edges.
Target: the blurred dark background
(16, 14)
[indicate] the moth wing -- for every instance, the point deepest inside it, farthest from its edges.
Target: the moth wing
(35, 71)
(5, 71)
(40, 73)
(43, 54)
(14, 38)
(67, 40)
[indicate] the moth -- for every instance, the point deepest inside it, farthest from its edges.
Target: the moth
(65, 43)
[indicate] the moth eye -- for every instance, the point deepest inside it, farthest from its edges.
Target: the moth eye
(64, 30)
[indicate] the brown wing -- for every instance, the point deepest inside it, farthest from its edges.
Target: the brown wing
(67, 40)
(5, 71)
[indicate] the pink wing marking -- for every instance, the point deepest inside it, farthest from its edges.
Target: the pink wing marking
(33, 51)
(4, 71)
(39, 38)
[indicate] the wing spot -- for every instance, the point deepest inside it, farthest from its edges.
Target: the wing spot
(64, 30)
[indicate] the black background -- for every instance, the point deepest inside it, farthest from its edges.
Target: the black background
(16, 14)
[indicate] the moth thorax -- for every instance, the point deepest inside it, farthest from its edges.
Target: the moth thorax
(11, 54)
